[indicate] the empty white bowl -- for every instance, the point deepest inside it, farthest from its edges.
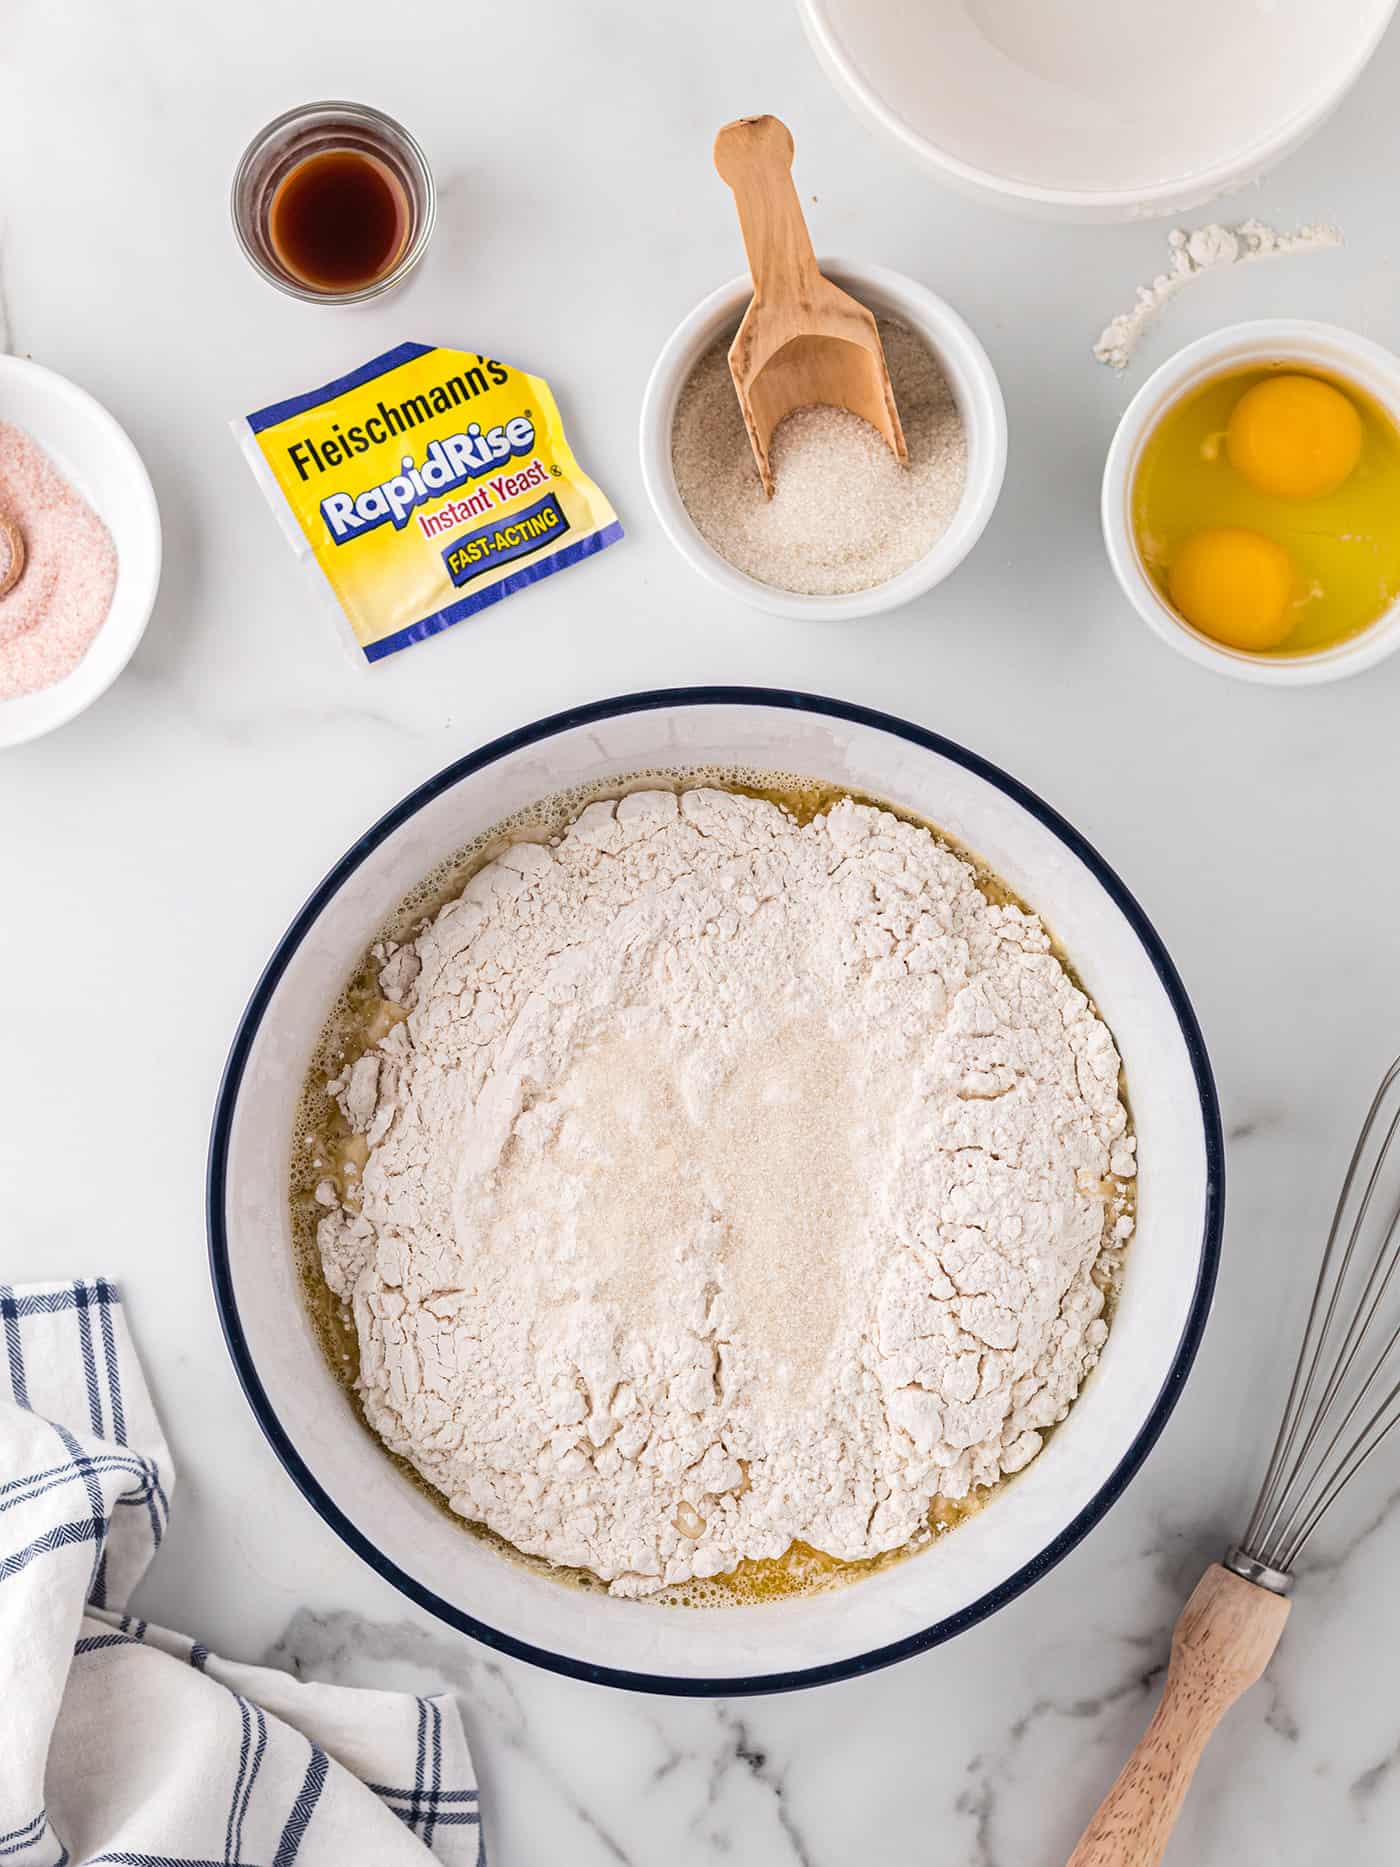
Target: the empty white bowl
(1325, 347)
(970, 376)
(1093, 109)
(93, 453)
(985, 1562)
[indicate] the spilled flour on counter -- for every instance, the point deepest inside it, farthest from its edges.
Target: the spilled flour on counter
(1192, 252)
(729, 1182)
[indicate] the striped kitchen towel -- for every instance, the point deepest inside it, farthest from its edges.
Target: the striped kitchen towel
(120, 1742)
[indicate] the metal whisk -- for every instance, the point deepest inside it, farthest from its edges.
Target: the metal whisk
(1345, 1395)
(1343, 1400)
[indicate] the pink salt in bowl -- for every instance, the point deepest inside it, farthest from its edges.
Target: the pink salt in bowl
(93, 453)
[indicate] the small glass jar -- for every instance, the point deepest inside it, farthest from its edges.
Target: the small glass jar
(291, 140)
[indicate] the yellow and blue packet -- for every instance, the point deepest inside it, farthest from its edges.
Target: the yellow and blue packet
(427, 485)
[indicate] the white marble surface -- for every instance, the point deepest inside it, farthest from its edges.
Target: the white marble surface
(151, 853)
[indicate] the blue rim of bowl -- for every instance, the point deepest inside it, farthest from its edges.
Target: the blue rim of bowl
(988, 1604)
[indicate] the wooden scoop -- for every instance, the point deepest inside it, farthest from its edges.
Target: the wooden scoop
(803, 339)
(11, 554)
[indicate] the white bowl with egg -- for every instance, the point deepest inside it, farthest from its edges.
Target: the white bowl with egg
(1086, 110)
(1038, 1516)
(94, 454)
(975, 388)
(1323, 347)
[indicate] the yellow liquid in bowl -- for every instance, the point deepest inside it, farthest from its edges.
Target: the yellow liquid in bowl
(1345, 546)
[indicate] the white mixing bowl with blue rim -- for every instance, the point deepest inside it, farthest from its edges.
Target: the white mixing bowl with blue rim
(985, 1562)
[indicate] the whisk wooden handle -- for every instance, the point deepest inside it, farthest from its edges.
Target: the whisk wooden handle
(1226, 1635)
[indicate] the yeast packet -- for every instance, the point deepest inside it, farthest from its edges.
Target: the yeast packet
(426, 485)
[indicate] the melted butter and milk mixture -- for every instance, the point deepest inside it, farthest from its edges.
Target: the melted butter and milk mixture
(715, 1191)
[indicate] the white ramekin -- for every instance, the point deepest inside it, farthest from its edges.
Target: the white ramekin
(95, 455)
(970, 375)
(1266, 340)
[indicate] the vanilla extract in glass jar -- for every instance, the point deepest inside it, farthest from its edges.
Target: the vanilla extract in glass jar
(333, 202)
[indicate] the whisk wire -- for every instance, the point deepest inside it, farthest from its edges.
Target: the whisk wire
(1305, 1370)
(1339, 1368)
(1335, 1385)
(1361, 1452)
(1372, 1296)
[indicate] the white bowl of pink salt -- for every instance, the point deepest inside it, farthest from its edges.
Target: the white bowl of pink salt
(849, 531)
(80, 525)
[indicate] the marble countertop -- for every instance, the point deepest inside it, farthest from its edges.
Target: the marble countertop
(151, 853)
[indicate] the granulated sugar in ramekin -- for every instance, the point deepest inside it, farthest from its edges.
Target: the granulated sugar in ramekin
(844, 515)
(50, 616)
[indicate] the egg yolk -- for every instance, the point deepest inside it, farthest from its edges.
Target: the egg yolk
(1294, 437)
(1235, 586)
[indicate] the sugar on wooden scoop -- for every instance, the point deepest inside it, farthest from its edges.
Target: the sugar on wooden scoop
(803, 340)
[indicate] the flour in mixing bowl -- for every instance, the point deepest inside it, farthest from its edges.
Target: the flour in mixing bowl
(729, 1182)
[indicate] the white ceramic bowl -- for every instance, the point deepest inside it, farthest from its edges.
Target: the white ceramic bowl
(970, 376)
(1095, 109)
(1265, 340)
(92, 452)
(913, 1605)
